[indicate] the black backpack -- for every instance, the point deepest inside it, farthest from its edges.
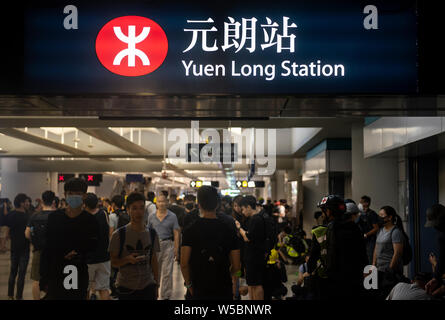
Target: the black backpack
(123, 218)
(210, 263)
(39, 226)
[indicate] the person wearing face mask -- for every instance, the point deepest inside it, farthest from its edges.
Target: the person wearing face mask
(388, 252)
(436, 219)
(72, 234)
(368, 223)
(191, 212)
(337, 254)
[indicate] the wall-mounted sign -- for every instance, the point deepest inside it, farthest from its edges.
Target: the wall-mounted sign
(64, 177)
(250, 47)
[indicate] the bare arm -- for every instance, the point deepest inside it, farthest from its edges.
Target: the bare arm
(28, 233)
(111, 231)
(243, 234)
(398, 251)
(155, 267)
(185, 263)
(374, 256)
(176, 238)
(375, 229)
(235, 261)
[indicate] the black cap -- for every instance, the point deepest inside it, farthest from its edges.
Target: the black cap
(334, 203)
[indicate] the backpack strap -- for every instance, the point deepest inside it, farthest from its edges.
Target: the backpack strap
(152, 238)
(122, 235)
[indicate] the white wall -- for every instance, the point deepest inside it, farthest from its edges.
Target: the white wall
(32, 184)
(313, 191)
(374, 177)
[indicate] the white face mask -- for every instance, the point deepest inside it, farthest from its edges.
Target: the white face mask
(360, 207)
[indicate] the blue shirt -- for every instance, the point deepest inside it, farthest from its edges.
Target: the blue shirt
(165, 228)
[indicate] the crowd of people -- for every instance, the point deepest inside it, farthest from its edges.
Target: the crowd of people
(84, 247)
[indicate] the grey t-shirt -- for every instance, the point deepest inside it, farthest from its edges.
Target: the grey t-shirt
(140, 275)
(384, 247)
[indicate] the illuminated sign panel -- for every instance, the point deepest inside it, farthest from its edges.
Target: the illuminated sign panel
(199, 183)
(91, 179)
(64, 177)
(250, 47)
(250, 184)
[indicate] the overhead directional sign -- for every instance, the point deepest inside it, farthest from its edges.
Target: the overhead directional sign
(250, 184)
(246, 47)
(199, 183)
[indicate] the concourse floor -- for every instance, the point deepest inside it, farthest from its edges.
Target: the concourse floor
(178, 282)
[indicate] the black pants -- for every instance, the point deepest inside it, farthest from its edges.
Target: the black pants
(19, 264)
(148, 293)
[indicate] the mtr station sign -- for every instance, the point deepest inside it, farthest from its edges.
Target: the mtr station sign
(261, 47)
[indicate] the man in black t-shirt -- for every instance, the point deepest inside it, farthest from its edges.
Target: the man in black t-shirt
(71, 235)
(36, 233)
(368, 224)
(99, 266)
(255, 249)
(16, 221)
(178, 210)
(209, 252)
(191, 212)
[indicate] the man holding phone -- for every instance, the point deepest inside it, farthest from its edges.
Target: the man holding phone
(71, 236)
(134, 250)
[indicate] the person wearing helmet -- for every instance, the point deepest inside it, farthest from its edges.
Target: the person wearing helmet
(338, 253)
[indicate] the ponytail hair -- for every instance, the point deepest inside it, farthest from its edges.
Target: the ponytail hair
(395, 218)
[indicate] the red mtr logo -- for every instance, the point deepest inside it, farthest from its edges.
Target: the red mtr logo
(131, 46)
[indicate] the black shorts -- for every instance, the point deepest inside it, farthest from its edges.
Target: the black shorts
(255, 273)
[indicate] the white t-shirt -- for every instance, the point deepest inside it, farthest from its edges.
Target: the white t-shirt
(282, 214)
(114, 219)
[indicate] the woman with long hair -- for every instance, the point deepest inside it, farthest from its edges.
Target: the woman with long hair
(388, 252)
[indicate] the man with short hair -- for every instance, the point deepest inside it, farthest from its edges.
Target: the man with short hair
(72, 234)
(368, 223)
(191, 212)
(36, 233)
(99, 267)
(255, 251)
(117, 202)
(17, 221)
(134, 250)
(150, 207)
(166, 225)
(177, 210)
(210, 252)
